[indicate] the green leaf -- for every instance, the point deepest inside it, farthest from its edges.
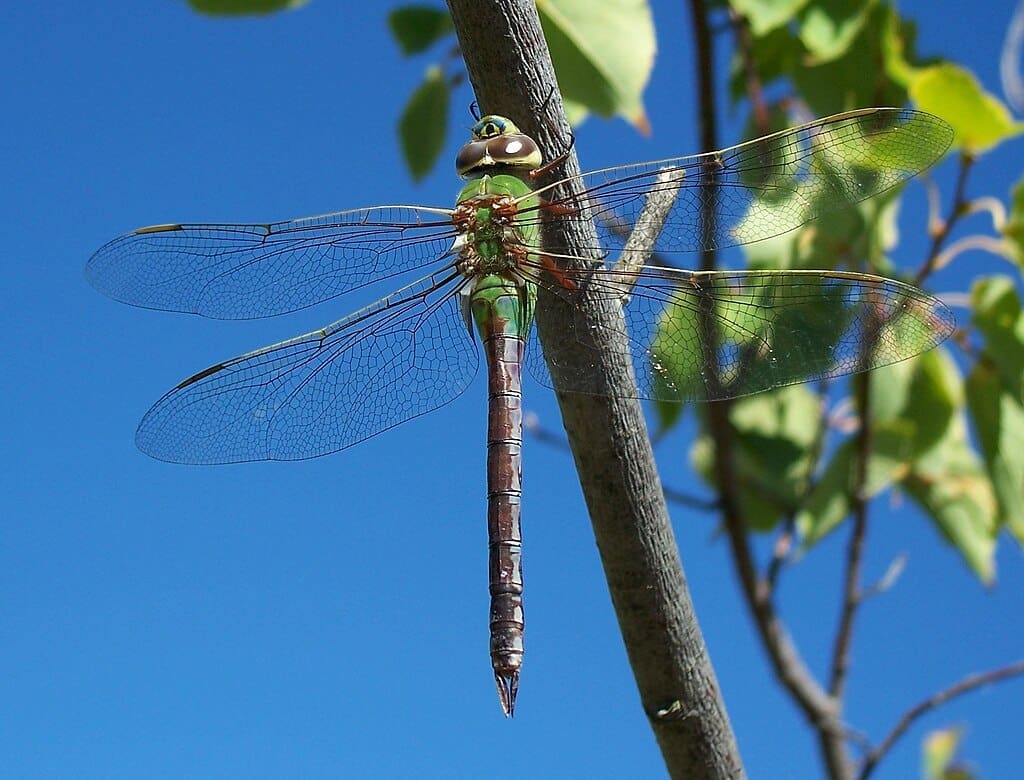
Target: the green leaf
(939, 751)
(997, 314)
(999, 422)
(766, 15)
(777, 53)
(774, 445)
(899, 39)
(829, 501)
(243, 7)
(679, 367)
(603, 54)
(418, 27)
(981, 121)
(924, 392)
(423, 124)
(828, 28)
(1014, 229)
(915, 405)
(959, 498)
(924, 398)
(842, 83)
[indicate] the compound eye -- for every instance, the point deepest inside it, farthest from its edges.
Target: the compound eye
(492, 126)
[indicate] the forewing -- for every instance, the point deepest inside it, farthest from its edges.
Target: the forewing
(401, 357)
(247, 271)
(758, 189)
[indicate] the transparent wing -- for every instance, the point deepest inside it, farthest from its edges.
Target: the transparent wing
(702, 336)
(758, 189)
(248, 271)
(400, 357)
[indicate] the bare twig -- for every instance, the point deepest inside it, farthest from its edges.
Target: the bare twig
(1010, 59)
(789, 667)
(855, 548)
(957, 209)
(966, 685)
(639, 247)
(995, 207)
(995, 246)
(780, 552)
(745, 46)
(546, 436)
(888, 579)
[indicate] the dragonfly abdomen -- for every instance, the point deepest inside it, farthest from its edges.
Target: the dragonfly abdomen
(503, 313)
(504, 499)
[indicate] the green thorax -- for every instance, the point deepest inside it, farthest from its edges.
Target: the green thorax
(495, 230)
(497, 216)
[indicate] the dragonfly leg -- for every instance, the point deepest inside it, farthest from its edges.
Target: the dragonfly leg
(560, 275)
(538, 173)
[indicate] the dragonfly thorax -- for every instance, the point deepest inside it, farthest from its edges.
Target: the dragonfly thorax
(490, 241)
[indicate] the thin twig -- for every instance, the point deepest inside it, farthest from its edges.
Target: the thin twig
(546, 436)
(996, 246)
(995, 207)
(887, 580)
(1009, 60)
(855, 548)
(852, 595)
(966, 685)
(957, 209)
(639, 246)
(780, 552)
(786, 662)
(745, 46)
(693, 502)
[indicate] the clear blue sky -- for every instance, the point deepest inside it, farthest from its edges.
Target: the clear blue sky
(328, 618)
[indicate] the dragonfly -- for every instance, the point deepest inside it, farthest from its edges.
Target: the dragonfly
(471, 273)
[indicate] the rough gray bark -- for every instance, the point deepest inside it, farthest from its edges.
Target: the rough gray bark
(510, 69)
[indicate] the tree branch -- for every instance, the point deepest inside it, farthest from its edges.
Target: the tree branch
(966, 685)
(818, 707)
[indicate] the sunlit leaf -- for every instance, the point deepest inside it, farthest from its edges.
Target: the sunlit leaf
(603, 54)
(775, 435)
(997, 314)
(423, 124)
(830, 502)
(899, 437)
(418, 27)
(959, 498)
(840, 84)
(981, 121)
(766, 15)
(924, 392)
(681, 367)
(999, 422)
(939, 753)
(919, 404)
(829, 27)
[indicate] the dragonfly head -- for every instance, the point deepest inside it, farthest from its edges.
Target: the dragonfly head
(497, 145)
